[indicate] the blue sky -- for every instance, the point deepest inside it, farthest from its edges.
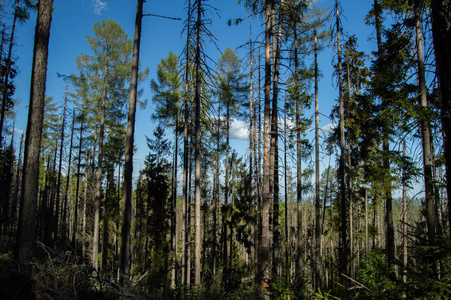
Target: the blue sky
(74, 20)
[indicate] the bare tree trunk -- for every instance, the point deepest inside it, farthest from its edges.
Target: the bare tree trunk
(198, 129)
(98, 195)
(85, 199)
(75, 219)
(265, 237)
(26, 232)
(275, 146)
(404, 220)
(67, 192)
(60, 165)
(342, 167)
(425, 129)
(318, 259)
(299, 238)
(124, 261)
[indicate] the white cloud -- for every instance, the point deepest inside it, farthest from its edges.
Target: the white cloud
(239, 130)
(99, 6)
(329, 127)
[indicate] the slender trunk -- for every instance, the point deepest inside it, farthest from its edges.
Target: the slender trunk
(124, 261)
(174, 204)
(98, 194)
(185, 269)
(367, 241)
(197, 100)
(106, 221)
(77, 189)
(342, 166)
(85, 199)
(265, 237)
(67, 192)
(300, 245)
(350, 179)
(318, 259)
(275, 146)
(26, 232)
(425, 129)
(404, 220)
(60, 165)
(285, 148)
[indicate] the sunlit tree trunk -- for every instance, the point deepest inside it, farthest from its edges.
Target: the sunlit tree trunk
(265, 217)
(425, 129)
(197, 100)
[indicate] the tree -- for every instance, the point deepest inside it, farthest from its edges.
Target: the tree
(109, 68)
(26, 234)
(167, 95)
(231, 92)
(128, 172)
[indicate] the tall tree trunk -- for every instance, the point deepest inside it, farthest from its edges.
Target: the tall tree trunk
(184, 229)
(26, 232)
(318, 260)
(198, 130)
(98, 193)
(85, 200)
(174, 204)
(299, 238)
(350, 179)
(56, 226)
(404, 221)
(441, 30)
(128, 168)
(342, 166)
(425, 128)
(77, 189)
(67, 192)
(265, 217)
(275, 146)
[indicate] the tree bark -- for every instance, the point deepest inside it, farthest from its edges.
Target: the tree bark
(318, 259)
(265, 238)
(26, 232)
(198, 130)
(124, 261)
